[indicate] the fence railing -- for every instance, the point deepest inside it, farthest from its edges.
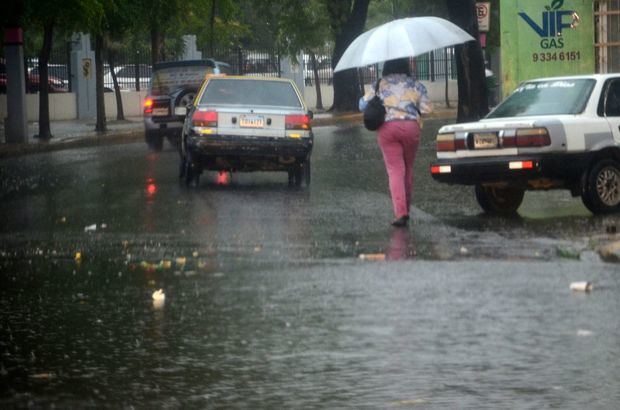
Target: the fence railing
(133, 69)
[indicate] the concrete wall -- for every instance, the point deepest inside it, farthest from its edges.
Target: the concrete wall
(63, 105)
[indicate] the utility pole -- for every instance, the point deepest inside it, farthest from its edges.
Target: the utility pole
(17, 126)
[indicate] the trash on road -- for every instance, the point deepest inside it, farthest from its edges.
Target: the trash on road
(581, 286)
(372, 256)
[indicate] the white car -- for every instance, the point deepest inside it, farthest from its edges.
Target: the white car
(550, 133)
(126, 77)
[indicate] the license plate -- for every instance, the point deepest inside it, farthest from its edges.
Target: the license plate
(160, 111)
(485, 140)
(251, 121)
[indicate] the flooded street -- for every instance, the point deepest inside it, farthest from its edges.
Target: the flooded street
(267, 303)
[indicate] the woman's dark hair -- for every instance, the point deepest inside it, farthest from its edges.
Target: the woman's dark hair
(398, 66)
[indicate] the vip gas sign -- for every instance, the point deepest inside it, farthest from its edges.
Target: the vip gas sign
(541, 38)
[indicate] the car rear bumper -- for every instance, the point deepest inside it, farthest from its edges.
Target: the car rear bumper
(165, 126)
(471, 171)
(230, 145)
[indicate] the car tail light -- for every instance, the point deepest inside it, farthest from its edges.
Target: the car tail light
(521, 165)
(448, 142)
(148, 106)
(204, 119)
(529, 137)
(297, 122)
(441, 169)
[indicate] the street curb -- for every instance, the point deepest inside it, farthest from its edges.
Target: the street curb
(125, 137)
(105, 138)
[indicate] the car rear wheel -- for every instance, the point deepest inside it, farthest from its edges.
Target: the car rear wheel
(601, 194)
(185, 98)
(154, 141)
(300, 174)
(192, 173)
(496, 200)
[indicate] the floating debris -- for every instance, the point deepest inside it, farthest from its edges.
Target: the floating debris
(78, 256)
(159, 298)
(583, 286)
(159, 295)
(584, 333)
(90, 228)
(43, 376)
(372, 256)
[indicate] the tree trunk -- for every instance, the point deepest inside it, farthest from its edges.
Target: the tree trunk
(212, 30)
(473, 96)
(101, 121)
(317, 81)
(44, 101)
(155, 45)
(120, 113)
(346, 84)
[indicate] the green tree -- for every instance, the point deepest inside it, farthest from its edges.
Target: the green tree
(49, 16)
(303, 26)
(347, 19)
(161, 18)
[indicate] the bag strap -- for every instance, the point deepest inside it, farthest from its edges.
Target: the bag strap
(377, 87)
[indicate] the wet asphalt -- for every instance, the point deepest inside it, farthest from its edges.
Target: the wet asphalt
(268, 303)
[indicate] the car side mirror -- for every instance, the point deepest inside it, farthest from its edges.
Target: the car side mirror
(310, 114)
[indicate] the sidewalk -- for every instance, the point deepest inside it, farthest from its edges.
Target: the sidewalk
(81, 133)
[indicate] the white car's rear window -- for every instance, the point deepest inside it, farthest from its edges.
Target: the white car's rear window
(552, 97)
(255, 93)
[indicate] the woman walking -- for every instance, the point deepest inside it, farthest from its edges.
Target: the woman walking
(404, 99)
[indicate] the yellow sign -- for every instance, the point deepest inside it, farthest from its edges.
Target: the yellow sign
(87, 65)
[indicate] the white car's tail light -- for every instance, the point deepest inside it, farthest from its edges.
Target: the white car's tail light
(449, 143)
(297, 122)
(204, 119)
(441, 169)
(528, 137)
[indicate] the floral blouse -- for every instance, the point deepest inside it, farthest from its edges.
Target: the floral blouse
(401, 96)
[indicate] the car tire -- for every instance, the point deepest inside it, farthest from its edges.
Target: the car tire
(499, 200)
(185, 98)
(154, 141)
(601, 193)
(192, 172)
(301, 173)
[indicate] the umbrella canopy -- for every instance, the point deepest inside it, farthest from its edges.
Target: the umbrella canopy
(406, 37)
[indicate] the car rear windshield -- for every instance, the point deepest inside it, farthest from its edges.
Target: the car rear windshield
(552, 97)
(167, 80)
(255, 93)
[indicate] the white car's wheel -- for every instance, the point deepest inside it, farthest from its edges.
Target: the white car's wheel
(601, 193)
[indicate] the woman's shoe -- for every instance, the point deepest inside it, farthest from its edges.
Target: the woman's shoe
(401, 222)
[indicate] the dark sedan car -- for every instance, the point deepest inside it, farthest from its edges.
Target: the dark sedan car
(172, 88)
(247, 124)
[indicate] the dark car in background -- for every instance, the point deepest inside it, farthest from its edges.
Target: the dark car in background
(54, 84)
(173, 86)
(247, 124)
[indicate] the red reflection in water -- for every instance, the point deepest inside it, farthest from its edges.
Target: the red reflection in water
(222, 178)
(151, 187)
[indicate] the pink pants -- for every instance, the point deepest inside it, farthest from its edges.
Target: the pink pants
(399, 142)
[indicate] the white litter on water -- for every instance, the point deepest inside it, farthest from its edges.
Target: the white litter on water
(582, 286)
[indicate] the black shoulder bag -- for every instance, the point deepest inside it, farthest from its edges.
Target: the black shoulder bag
(374, 114)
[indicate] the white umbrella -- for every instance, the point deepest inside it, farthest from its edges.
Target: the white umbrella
(406, 37)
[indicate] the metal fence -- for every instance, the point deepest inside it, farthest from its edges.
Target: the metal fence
(133, 69)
